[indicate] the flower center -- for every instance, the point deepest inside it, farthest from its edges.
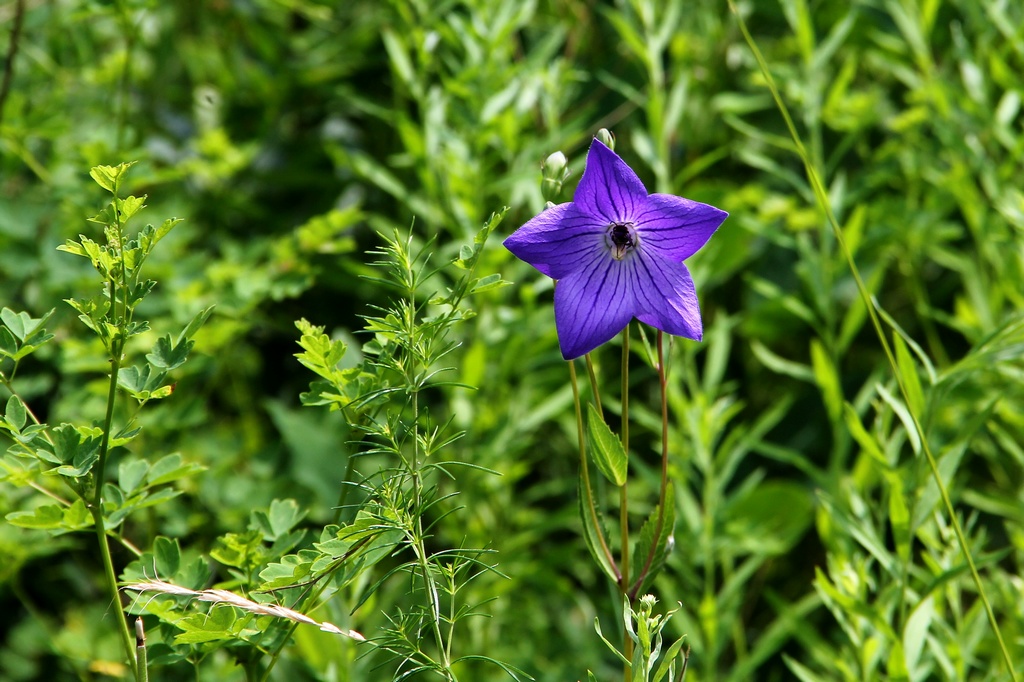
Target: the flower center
(622, 238)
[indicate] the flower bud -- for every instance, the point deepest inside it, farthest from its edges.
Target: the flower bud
(606, 138)
(555, 171)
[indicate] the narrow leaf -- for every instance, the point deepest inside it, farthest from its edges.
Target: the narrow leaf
(593, 533)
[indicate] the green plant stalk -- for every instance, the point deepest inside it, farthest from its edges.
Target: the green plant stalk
(141, 655)
(585, 469)
(96, 508)
(627, 644)
(592, 374)
(822, 196)
(663, 384)
(419, 547)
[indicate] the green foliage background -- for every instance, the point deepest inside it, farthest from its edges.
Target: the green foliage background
(287, 133)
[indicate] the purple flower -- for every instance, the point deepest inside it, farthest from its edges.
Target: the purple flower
(617, 253)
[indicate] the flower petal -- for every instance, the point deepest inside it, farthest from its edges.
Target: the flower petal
(676, 227)
(609, 189)
(558, 241)
(665, 297)
(592, 305)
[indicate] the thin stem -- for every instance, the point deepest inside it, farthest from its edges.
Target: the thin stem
(593, 385)
(823, 201)
(624, 497)
(585, 472)
(141, 655)
(663, 383)
(99, 471)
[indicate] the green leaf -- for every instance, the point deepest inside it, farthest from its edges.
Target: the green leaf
(165, 355)
(899, 516)
(488, 283)
(195, 324)
(130, 474)
(867, 442)
(827, 378)
(19, 323)
(606, 449)
(280, 518)
(8, 344)
(667, 667)
(109, 177)
(908, 372)
(654, 545)
(781, 365)
(166, 557)
(218, 624)
(916, 631)
(593, 533)
(171, 468)
(239, 550)
(47, 517)
(16, 415)
(105, 177)
(77, 449)
(128, 207)
(750, 527)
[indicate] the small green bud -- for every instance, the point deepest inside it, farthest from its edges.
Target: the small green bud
(555, 171)
(606, 137)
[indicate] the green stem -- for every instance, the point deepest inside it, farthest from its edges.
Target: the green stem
(663, 383)
(585, 471)
(823, 201)
(141, 655)
(592, 374)
(624, 498)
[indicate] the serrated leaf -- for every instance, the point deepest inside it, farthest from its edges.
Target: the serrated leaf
(166, 557)
(165, 355)
(606, 448)
(280, 518)
(207, 627)
(128, 207)
(47, 517)
(106, 176)
(655, 543)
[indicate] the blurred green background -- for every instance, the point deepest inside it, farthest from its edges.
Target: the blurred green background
(287, 133)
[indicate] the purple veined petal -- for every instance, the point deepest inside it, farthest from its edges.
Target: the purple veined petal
(592, 305)
(677, 228)
(609, 189)
(665, 297)
(558, 241)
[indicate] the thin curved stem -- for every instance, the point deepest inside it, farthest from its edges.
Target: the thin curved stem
(649, 559)
(823, 201)
(624, 498)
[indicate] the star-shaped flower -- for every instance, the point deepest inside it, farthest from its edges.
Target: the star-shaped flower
(617, 253)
